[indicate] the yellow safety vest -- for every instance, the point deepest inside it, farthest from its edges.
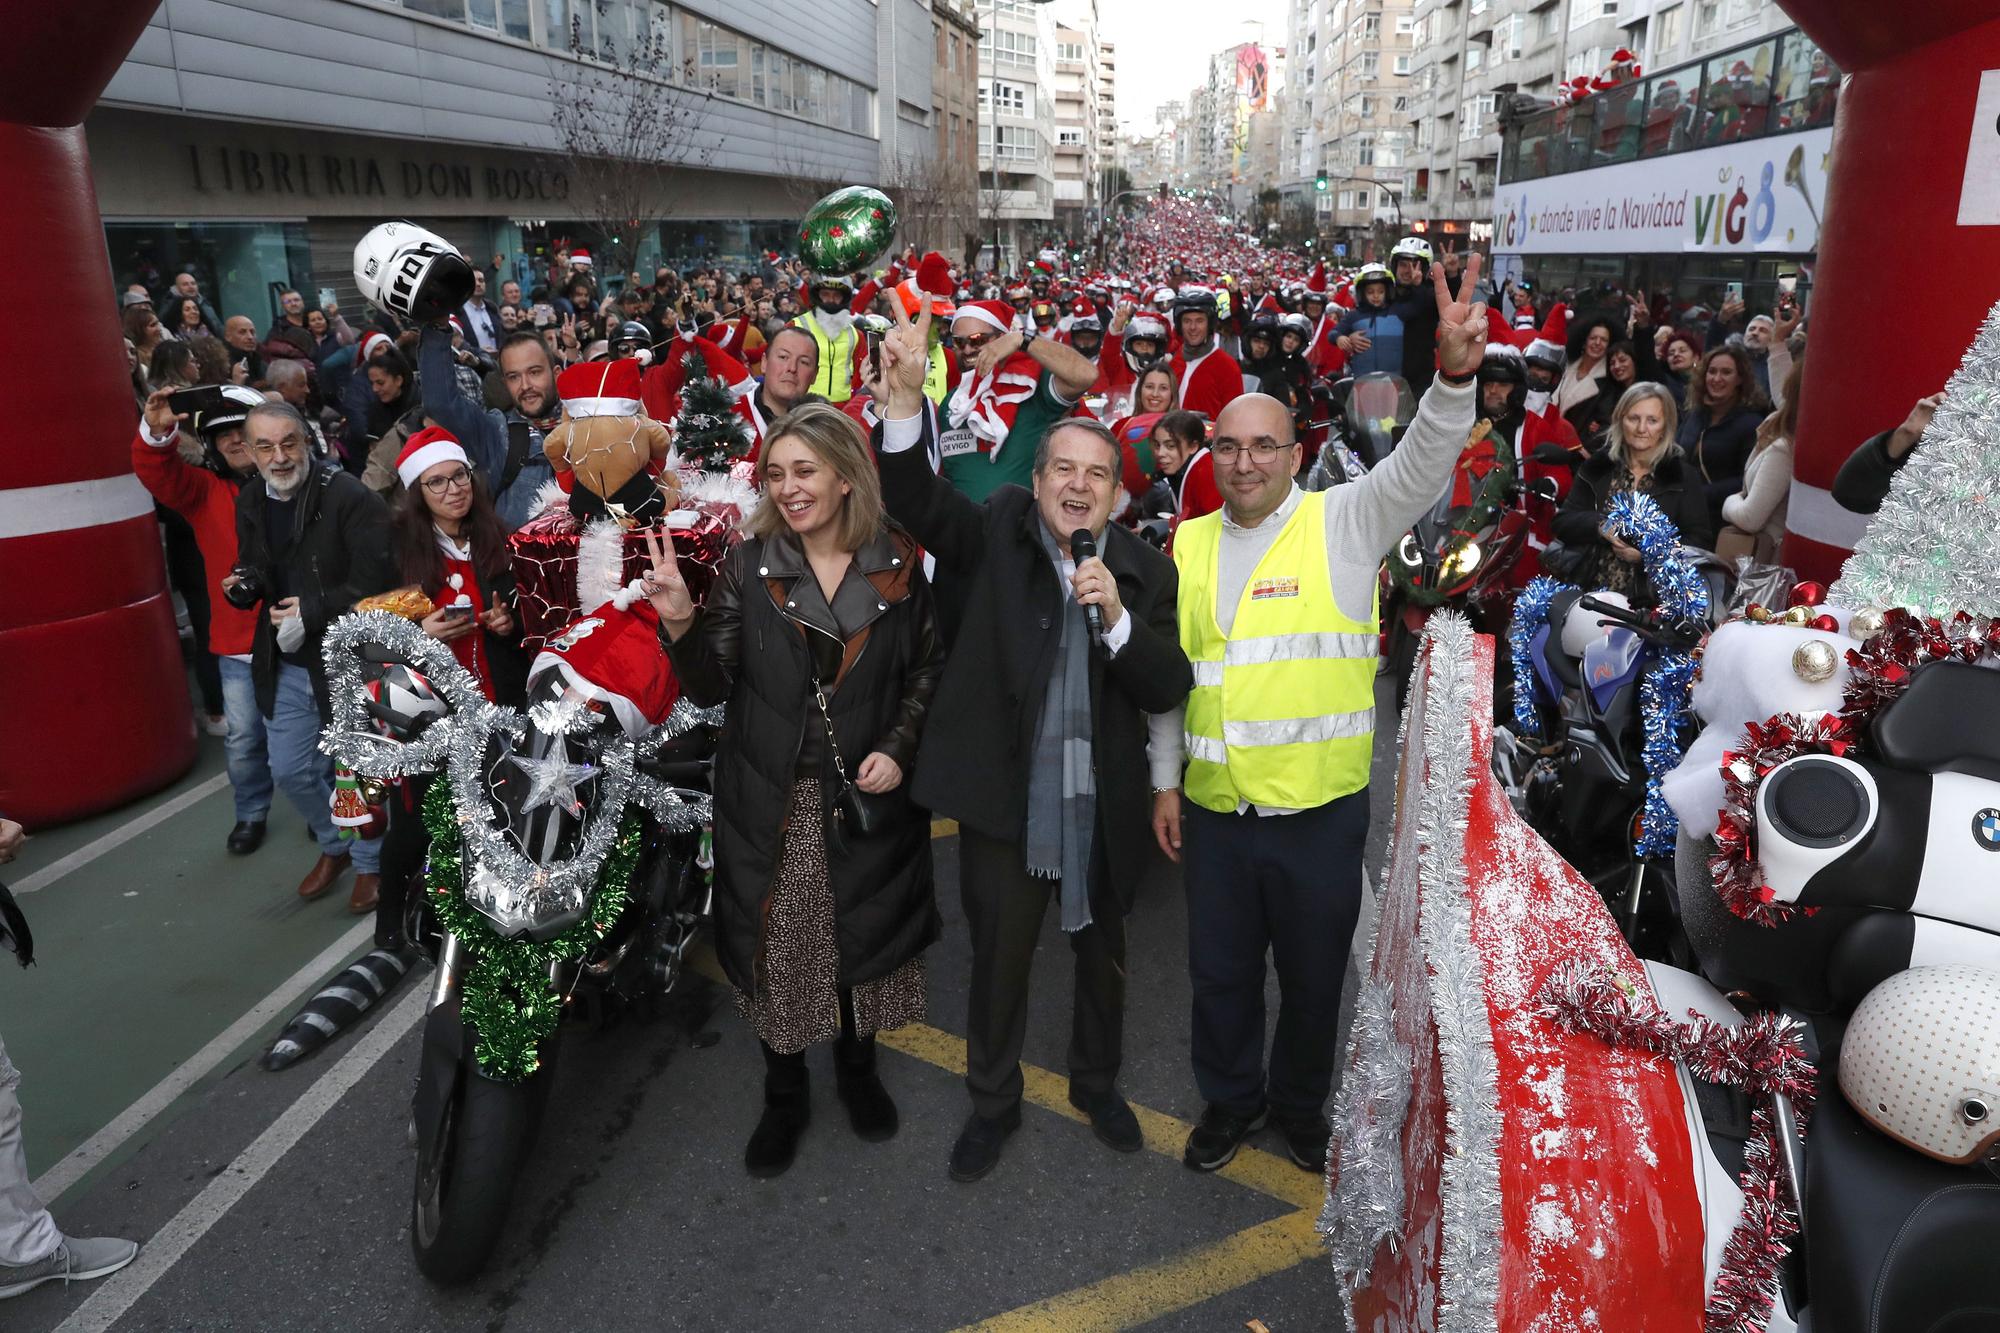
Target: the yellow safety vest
(1283, 707)
(937, 378)
(835, 379)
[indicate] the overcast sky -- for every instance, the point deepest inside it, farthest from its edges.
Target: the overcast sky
(1164, 46)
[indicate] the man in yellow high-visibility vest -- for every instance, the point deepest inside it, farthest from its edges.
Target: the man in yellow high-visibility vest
(1277, 614)
(840, 344)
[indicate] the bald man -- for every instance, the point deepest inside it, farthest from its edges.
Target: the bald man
(1277, 613)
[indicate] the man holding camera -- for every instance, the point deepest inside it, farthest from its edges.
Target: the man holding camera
(311, 541)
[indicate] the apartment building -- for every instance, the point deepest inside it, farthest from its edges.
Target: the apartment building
(1078, 172)
(1017, 81)
(1349, 118)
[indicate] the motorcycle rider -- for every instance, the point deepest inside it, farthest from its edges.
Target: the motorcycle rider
(1371, 335)
(1209, 377)
(831, 324)
(1410, 261)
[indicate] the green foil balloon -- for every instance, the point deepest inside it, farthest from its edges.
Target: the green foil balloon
(848, 230)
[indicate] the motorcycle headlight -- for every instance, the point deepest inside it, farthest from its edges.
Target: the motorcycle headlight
(1408, 553)
(1461, 562)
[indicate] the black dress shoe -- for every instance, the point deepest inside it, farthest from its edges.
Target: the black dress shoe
(1213, 1143)
(978, 1148)
(870, 1108)
(1306, 1138)
(246, 837)
(1110, 1119)
(775, 1142)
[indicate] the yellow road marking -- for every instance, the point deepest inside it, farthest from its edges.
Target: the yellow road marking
(1254, 1168)
(1144, 1294)
(944, 828)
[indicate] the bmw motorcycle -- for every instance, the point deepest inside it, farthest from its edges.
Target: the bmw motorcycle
(566, 872)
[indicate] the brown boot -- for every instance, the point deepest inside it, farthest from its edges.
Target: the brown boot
(321, 877)
(367, 888)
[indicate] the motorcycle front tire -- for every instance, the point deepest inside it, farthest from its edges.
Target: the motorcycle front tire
(463, 1187)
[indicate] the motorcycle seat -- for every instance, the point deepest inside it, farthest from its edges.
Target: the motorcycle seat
(1896, 1240)
(1925, 730)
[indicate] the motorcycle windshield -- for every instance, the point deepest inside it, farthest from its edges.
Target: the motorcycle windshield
(1379, 408)
(1609, 664)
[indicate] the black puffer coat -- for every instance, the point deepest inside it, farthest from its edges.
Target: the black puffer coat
(765, 630)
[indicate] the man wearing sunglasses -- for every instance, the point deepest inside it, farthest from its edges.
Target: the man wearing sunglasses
(1012, 387)
(311, 542)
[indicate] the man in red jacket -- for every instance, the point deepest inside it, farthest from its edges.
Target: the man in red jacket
(206, 497)
(1209, 377)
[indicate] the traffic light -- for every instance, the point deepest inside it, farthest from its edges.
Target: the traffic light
(1319, 182)
(1164, 191)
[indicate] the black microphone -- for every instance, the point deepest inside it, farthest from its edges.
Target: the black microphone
(1082, 547)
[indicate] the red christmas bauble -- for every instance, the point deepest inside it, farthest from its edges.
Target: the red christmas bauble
(1826, 623)
(1808, 593)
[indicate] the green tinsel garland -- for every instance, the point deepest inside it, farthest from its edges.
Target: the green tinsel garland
(507, 995)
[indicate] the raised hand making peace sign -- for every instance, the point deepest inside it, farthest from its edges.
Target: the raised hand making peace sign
(665, 588)
(1461, 322)
(906, 350)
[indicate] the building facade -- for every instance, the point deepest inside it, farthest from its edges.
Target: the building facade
(1017, 183)
(1348, 118)
(1078, 86)
(254, 144)
(940, 203)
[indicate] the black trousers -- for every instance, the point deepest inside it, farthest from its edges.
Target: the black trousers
(1004, 907)
(1289, 886)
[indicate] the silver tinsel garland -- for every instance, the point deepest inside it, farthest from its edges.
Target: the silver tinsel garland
(501, 881)
(1934, 547)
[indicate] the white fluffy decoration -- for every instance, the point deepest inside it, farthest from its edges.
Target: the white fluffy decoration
(1746, 676)
(701, 487)
(600, 564)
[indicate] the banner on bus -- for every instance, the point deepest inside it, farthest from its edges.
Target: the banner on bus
(1760, 196)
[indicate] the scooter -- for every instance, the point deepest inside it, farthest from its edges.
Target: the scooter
(566, 873)
(1537, 1130)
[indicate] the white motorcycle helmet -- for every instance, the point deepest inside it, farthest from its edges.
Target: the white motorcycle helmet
(411, 272)
(1415, 247)
(1921, 1060)
(1583, 627)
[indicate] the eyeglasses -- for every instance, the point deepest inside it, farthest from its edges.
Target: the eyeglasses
(972, 344)
(291, 444)
(439, 485)
(1225, 451)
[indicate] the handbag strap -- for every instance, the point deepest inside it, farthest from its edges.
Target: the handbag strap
(826, 715)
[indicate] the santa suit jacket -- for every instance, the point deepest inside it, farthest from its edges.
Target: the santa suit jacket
(208, 503)
(1209, 383)
(979, 739)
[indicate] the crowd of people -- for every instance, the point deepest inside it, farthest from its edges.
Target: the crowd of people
(953, 471)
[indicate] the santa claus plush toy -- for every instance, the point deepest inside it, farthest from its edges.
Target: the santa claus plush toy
(611, 652)
(607, 452)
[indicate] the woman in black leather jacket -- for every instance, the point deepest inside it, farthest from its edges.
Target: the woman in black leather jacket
(820, 635)
(1640, 455)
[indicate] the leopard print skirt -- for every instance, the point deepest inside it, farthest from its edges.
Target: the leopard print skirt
(798, 1002)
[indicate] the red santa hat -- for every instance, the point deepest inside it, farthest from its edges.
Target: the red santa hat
(579, 259)
(997, 313)
(374, 341)
(1316, 284)
(613, 655)
(426, 449)
(600, 389)
(1083, 314)
(933, 277)
(1553, 342)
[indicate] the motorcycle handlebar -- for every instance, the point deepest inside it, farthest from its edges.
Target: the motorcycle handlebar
(1653, 625)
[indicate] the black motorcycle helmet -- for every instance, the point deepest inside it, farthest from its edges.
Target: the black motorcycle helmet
(232, 410)
(1263, 326)
(1502, 365)
(632, 335)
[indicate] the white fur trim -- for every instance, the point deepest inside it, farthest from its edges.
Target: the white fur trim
(601, 407)
(629, 717)
(600, 564)
(986, 317)
(414, 465)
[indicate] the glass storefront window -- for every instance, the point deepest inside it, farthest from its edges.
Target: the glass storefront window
(242, 266)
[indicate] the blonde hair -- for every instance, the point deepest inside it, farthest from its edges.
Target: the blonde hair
(836, 440)
(1614, 436)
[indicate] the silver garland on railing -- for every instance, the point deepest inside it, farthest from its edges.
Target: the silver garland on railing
(1469, 1190)
(501, 881)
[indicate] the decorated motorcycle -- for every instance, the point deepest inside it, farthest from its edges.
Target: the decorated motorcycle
(565, 865)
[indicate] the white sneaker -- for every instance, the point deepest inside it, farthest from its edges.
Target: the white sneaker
(75, 1259)
(215, 725)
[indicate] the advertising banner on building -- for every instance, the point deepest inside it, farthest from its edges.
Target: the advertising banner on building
(1760, 196)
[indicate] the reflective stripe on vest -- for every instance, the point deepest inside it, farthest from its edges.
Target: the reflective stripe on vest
(834, 381)
(1282, 712)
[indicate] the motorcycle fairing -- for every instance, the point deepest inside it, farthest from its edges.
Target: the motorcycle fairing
(1610, 663)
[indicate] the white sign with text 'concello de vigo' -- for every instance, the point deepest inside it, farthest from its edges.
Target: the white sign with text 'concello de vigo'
(1979, 196)
(1760, 196)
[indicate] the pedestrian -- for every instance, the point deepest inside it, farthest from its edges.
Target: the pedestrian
(1277, 612)
(383, 401)
(311, 542)
(505, 446)
(1012, 389)
(819, 635)
(1863, 480)
(1719, 425)
(33, 1250)
(1036, 741)
(1641, 454)
(1756, 513)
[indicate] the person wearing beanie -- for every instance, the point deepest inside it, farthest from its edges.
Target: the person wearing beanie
(311, 542)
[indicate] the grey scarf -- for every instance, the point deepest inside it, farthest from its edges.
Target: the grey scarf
(1062, 790)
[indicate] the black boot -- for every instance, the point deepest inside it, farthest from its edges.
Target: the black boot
(787, 1112)
(870, 1109)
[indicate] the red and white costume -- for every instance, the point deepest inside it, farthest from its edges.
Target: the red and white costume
(1208, 383)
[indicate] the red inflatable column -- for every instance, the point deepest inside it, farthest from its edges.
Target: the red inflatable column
(1900, 286)
(96, 700)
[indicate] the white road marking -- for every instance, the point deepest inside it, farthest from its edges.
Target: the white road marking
(121, 835)
(139, 1114)
(120, 1292)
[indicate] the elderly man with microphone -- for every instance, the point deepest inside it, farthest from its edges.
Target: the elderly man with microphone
(1036, 740)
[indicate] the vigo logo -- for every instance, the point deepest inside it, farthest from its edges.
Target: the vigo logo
(1986, 828)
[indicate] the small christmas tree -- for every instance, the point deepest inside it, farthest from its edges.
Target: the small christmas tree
(708, 433)
(1931, 549)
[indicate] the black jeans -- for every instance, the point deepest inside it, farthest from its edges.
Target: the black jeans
(1004, 906)
(1289, 885)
